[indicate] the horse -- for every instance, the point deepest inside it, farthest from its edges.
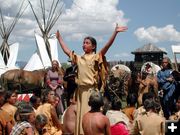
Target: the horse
(25, 81)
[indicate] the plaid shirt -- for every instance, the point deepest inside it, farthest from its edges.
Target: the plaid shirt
(19, 127)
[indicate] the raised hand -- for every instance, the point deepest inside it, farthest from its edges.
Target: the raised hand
(120, 28)
(57, 34)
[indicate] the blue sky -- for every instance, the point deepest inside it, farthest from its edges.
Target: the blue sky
(148, 21)
(147, 14)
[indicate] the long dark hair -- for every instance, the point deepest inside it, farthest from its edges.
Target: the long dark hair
(93, 41)
(44, 96)
(9, 93)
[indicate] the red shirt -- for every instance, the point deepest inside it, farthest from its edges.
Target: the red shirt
(119, 129)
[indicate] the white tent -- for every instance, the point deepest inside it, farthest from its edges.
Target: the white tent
(9, 52)
(46, 18)
(47, 49)
(42, 50)
(34, 63)
(13, 49)
(2, 64)
(40, 59)
(11, 63)
(54, 47)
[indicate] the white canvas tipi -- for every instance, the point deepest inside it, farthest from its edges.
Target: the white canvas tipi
(8, 52)
(47, 49)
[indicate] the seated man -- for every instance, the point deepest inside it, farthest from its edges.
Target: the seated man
(150, 123)
(119, 122)
(69, 118)
(176, 115)
(141, 110)
(94, 122)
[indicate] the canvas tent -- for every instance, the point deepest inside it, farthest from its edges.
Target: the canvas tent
(9, 52)
(34, 63)
(40, 58)
(46, 44)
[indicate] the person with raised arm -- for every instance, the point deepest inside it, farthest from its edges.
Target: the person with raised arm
(88, 69)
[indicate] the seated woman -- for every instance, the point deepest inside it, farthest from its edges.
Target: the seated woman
(9, 105)
(5, 120)
(53, 126)
(25, 118)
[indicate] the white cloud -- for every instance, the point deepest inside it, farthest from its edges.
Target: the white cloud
(84, 17)
(9, 3)
(76, 36)
(154, 34)
(97, 17)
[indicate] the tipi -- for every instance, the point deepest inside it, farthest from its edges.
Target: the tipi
(46, 44)
(9, 52)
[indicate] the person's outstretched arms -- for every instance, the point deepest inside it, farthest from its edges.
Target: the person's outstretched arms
(66, 50)
(111, 40)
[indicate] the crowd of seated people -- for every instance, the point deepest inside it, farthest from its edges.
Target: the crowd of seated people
(40, 116)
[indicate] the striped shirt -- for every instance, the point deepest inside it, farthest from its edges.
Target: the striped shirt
(19, 127)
